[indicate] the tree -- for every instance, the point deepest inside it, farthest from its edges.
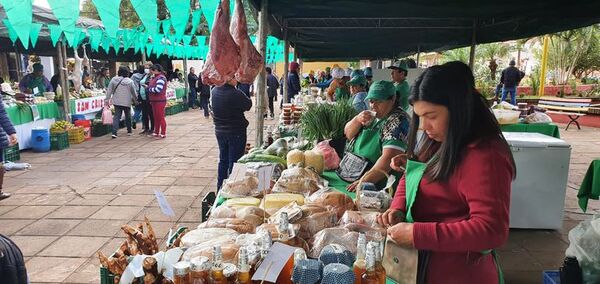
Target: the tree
(565, 50)
(589, 60)
(492, 51)
(520, 44)
(457, 54)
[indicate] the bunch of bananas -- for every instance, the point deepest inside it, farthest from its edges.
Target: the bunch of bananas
(60, 126)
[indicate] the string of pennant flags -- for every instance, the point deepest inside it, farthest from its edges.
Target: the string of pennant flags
(146, 38)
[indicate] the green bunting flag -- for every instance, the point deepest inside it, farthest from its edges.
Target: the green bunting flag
(19, 14)
(180, 14)
(55, 33)
(12, 34)
(109, 13)
(78, 36)
(209, 8)
(95, 38)
(187, 39)
(158, 49)
(147, 11)
(196, 17)
(34, 33)
(106, 44)
(166, 26)
(67, 13)
(201, 40)
(149, 49)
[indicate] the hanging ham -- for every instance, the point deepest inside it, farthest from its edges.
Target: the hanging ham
(223, 59)
(252, 61)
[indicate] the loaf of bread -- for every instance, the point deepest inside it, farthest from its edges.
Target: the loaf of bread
(333, 200)
(239, 225)
(199, 236)
(313, 223)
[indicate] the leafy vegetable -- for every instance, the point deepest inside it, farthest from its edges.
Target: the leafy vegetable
(326, 121)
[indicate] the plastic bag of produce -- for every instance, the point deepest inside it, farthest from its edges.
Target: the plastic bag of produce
(239, 225)
(107, 116)
(584, 242)
(252, 214)
(298, 180)
(331, 158)
(332, 200)
(313, 223)
(229, 249)
(293, 210)
(340, 236)
(538, 117)
(358, 217)
(199, 236)
(246, 186)
(368, 200)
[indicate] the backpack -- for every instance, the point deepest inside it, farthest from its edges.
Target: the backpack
(12, 264)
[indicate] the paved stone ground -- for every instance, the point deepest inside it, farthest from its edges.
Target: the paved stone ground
(72, 203)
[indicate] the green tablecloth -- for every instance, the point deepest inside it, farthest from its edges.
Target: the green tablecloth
(590, 186)
(22, 114)
(338, 184)
(180, 93)
(549, 129)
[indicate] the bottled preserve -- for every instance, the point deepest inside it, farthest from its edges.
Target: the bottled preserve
(360, 264)
(200, 266)
(216, 272)
(370, 276)
(286, 237)
(243, 276)
(376, 247)
(181, 273)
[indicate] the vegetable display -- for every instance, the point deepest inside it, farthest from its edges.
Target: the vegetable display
(326, 121)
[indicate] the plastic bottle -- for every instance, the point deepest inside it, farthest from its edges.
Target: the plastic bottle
(216, 272)
(570, 271)
(374, 246)
(243, 276)
(370, 276)
(360, 265)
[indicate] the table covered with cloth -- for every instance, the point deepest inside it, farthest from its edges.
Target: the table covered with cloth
(549, 129)
(23, 120)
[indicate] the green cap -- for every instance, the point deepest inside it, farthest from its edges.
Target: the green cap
(381, 90)
(359, 80)
(399, 65)
(327, 69)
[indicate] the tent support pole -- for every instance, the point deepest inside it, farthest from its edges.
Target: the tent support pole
(62, 70)
(19, 59)
(262, 76)
(543, 68)
(286, 67)
(418, 55)
(473, 43)
(187, 87)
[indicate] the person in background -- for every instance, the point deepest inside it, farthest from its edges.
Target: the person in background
(144, 102)
(399, 73)
(8, 137)
(511, 77)
(461, 210)
(311, 77)
(369, 75)
(137, 110)
(272, 86)
(157, 95)
(204, 96)
(192, 82)
(121, 91)
(35, 81)
(12, 263)
(322, 77)
(359, 95)
(245, 88)
(229, 105)
(328, 74)
(338, 83)
(293, 81)
(103, 78)
(55, 81)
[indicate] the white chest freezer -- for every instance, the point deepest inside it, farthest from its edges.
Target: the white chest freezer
(538, 192)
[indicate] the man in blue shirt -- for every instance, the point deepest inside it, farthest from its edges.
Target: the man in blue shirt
(359, 94)
(35, 83)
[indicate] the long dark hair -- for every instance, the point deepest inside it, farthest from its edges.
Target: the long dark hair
(470, 119)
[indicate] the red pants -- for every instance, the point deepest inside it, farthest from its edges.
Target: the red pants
(160, 124)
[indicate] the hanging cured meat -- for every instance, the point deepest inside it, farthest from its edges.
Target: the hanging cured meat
(223, 59)
(252, 61)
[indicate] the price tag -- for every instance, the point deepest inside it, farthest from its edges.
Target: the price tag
(238, 172)
(36, 90)
(273, 263)
(264, 177)
(164, 204)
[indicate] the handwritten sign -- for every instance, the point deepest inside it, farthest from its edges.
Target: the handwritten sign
(164, 204)
(88, 105)
(238, 172)
(264, 177)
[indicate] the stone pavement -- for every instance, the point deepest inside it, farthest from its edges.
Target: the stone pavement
(72, 203)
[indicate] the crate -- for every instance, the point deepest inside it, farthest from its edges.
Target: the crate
(59, 141)
(551, 277)
(76, 135)
(100, 129)
(11, 153)
(170, 110)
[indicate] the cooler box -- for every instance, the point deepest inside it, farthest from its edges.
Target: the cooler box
(538, 192)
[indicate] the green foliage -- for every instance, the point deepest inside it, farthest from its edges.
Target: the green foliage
(565, 50)
(327, 121)
(457, 54)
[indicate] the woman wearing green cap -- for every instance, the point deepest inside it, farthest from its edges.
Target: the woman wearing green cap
(377, 135)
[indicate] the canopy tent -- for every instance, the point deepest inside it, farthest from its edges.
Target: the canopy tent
(379, 29)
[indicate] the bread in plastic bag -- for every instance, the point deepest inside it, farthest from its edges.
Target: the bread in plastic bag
(584, 242)
(340, 236)
(239, 225)
(538, 117)
(229, 250)
(313, 223)
(252, 214)
(274, 201)
(223, 211)
(293, 210)
(358, 217)
(246, 186)
(199, 236)
(330, 156)
(298, 180)
(332, 200)
(367, 200)
(272, 229)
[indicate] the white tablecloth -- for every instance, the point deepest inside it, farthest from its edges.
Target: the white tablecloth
(24, 131)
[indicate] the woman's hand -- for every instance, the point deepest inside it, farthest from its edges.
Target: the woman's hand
(365, 117)
(398, 163)
(390, 217)
(402, 234)
(352, 187)
(12, 139)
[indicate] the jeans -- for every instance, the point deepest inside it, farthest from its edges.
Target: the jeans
(204, 104)
(160, 124)
(193, 97)
(513, 94)
(231, 149)
(271, 108)
(147, 117)
(137, 113)
(119, 110)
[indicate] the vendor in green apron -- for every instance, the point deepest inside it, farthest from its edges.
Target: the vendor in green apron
(453, 202)
(399, 74)
(35, 83)
(377, 138)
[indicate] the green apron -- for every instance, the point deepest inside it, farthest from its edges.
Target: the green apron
(368, 142)
(37, 82)
(413, 175)
(341, 94)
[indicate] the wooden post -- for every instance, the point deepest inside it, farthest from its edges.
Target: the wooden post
(286, 67)
(473, 43)
(262, 76)
(62, 70)
(187, 87)
(418, 54)
(543, 69)
(143, 57)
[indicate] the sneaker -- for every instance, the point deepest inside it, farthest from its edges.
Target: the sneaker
(129, 133)
(4, 195)
(163, 136)
(144, 132)
(114, 136)
(134, 126)
(152, 135)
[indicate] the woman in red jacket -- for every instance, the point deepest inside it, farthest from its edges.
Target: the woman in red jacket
(157, 90)
(452, 205)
